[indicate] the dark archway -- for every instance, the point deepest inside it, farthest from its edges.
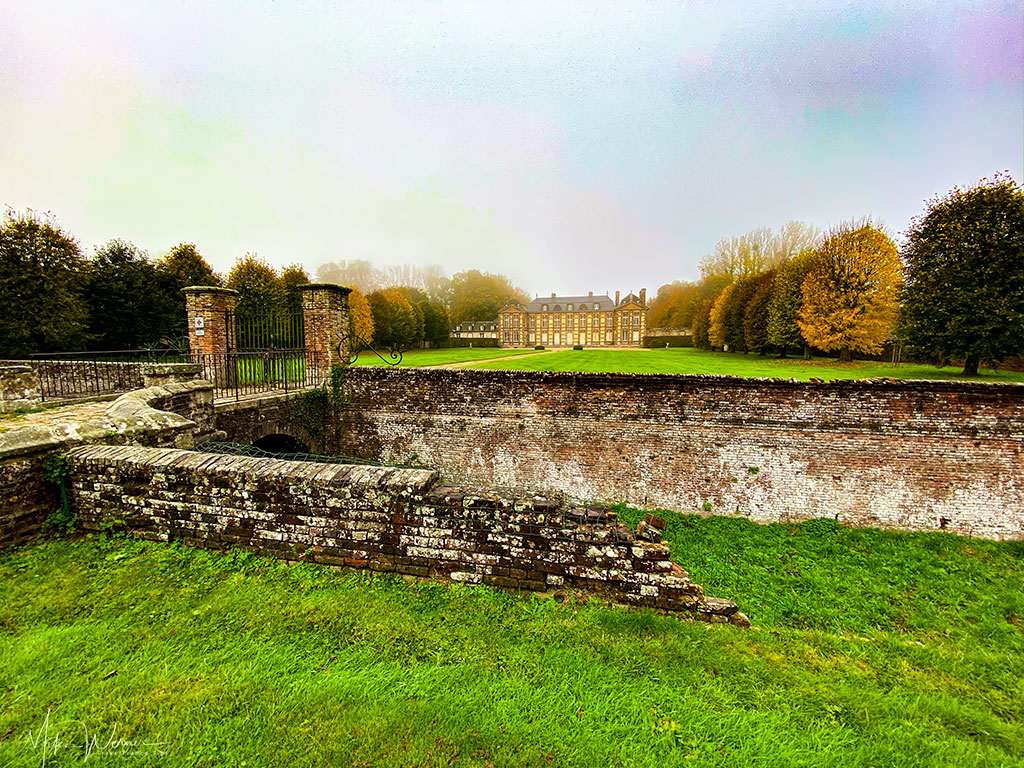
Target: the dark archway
(281, 443)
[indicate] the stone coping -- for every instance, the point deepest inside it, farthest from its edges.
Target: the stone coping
(130, 414)
(209, 289)
(744, 382)
(325, 287)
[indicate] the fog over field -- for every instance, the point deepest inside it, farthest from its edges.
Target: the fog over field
(572, 146)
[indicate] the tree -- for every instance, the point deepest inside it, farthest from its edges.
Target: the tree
(131, 302)
(759, 250)
(361, 316)
(260, 297)
(436, 326)
(42, 277)
(181, 267)
(755, 313)
(726, 329)
(674, 306)
(717, 331)
(851, 293)
(292, 278)
(702, 324)
(187, 267)
(480, 296)
(394, 319)
(965, 274)
(784, 307)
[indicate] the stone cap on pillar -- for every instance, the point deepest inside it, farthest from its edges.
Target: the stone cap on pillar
(323, 287)
(210, 289)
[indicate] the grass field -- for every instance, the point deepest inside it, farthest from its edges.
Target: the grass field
(690, 360)
(427, 357)
(868, 649)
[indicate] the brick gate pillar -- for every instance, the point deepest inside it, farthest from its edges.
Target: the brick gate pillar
(210, 310)
(325, 316)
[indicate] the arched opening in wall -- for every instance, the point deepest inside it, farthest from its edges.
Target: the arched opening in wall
(281, 443)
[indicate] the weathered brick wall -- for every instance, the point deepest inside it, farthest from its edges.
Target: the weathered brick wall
(382, 519)
(910, 455)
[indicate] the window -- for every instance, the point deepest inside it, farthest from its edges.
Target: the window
(568, 321)
(583, 306)
(515, 337)
(506, 337)
(558, 321)
(543, 322)
(636, 318)
(544, 308)
(569, 308)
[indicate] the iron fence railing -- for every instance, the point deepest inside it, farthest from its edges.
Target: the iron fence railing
(78, 375)
(238, 374)
(258, 333)
(77, 379)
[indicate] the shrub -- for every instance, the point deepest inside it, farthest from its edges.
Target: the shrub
(539, 346)
(578, 346)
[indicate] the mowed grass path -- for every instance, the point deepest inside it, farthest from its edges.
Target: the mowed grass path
(690, 360)
(869, 649)
(429, 357)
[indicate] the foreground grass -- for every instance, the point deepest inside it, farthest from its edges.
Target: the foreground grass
(427, 357)
(690, 360)
(869, 649)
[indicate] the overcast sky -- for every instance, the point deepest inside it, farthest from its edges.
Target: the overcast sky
(572, 146)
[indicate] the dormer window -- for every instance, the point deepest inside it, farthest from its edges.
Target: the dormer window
(569, 308)
(583, 307)
(558, 307)
(544, 308)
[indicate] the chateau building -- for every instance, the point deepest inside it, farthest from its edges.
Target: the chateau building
(565, 321)
(476, 329)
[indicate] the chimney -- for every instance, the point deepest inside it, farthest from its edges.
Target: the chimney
(616, 298)
(552, 295)
(591, 293)
(643, 296)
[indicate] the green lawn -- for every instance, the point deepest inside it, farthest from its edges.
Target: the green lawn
(690, 360)
(869, 649)
(427, 357)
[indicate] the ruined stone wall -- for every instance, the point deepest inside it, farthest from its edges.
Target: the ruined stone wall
(909, 455)
(172, 415)
(381, 519)
(19, 388)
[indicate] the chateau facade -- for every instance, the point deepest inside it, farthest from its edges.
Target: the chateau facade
(565, 321)
(476, 329)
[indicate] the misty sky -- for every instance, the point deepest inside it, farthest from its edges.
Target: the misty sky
(572, 146)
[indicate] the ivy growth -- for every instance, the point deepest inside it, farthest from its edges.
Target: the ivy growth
(55, 472)
(320, 412)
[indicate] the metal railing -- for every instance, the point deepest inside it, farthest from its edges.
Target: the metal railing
(258, 333)
(239, 374)
(78, 375)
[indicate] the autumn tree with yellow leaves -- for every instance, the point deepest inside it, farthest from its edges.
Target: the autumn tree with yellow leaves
(851, 293)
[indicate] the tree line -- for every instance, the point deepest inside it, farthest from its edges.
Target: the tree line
(955, 290)
(58, 299)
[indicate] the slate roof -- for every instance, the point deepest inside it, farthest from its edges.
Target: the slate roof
(472, 326)
(602, 303)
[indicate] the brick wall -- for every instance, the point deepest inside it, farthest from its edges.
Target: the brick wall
(909, 455)
(381, 519)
